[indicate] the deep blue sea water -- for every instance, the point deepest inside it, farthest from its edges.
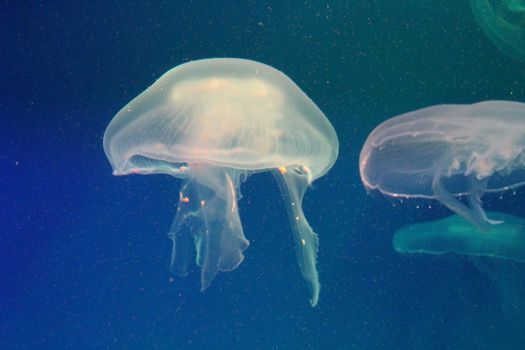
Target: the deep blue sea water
(84, 256)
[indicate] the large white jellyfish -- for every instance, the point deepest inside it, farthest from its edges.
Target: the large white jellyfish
(212, 123)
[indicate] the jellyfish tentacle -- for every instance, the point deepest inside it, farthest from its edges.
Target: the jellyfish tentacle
(211, 214)
(456, 205)
(232, 240)
(180, 238)
(293, 182)
(477, 189)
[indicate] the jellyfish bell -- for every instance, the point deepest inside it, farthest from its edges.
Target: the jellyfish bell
(503, 22)
(224, 112)
(212, 123)
(448, 152)
(498, 252)
(455, 235)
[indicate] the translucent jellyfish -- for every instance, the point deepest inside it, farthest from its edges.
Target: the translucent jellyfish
(503, 21)
(455, 235)
(212, 123)
(499, 252)
(452, 153)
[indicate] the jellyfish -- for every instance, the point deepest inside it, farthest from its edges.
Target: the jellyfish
(455, 235)
(213, 123)
(503, 21)
(499, 252)
(451, 153)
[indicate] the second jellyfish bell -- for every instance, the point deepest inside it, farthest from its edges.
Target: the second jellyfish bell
(503, 21)
(212, 123)
(451, 153)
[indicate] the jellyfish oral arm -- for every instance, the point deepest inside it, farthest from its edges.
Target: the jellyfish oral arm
(293, 185)
(209, 214)
(473, 214)
(476, 191)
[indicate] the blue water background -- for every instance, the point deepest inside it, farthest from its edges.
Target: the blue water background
(84, 255)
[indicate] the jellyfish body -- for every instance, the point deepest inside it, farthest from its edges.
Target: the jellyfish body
(212, 123)
(455, 235)
(446, 152)
(503, 21)
(498, 252)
